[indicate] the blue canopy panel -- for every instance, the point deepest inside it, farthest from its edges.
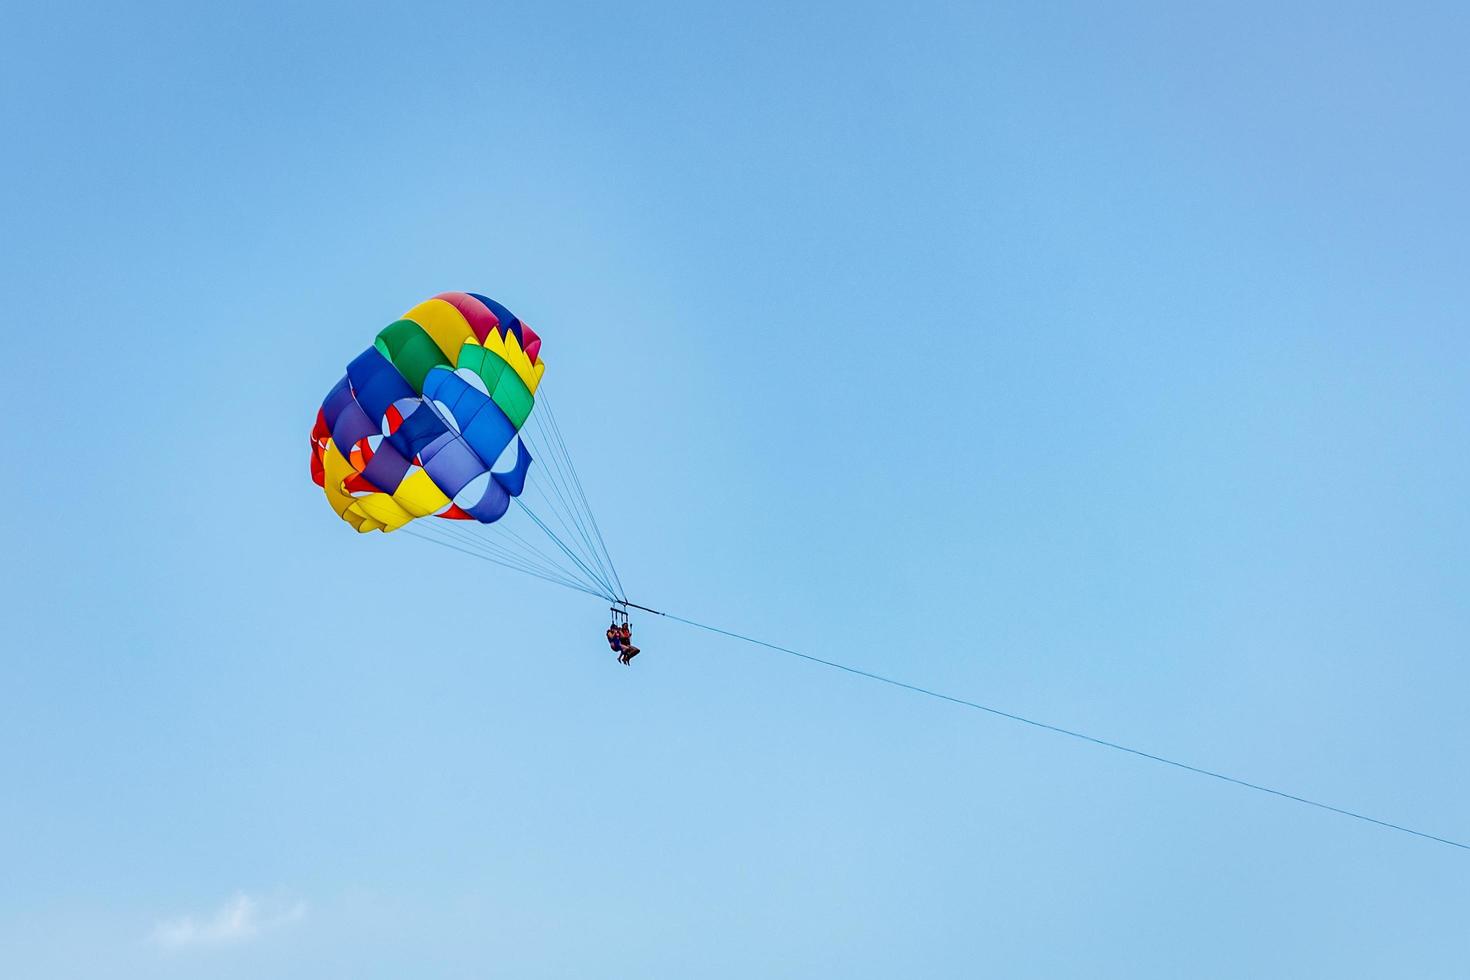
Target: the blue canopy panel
(496, 489)
(387, 468)
(479, 420)
(345, 418)
(451, 464)
(491, 506)
(336, 400)
(514, 479)
(420, 427)
(376, 383)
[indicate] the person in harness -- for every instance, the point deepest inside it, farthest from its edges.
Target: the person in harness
(620, 637)
(629, 651)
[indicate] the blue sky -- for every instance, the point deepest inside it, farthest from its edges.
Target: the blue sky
(1108, 366)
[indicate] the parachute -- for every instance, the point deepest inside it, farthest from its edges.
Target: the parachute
(435, 428)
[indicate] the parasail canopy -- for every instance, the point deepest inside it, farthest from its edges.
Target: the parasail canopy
(431, 422)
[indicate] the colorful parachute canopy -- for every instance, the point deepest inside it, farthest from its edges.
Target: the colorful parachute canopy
(421, 417)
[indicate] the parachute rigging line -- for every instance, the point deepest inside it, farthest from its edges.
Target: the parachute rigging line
(587, 566)
(575, 512)
(518, 561)
(485, 556)
(559, 496)
(555, 427)
(562, 545)
(568, 517)
(1057, 729)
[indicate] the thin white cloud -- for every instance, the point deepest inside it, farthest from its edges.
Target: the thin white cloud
(239, 920)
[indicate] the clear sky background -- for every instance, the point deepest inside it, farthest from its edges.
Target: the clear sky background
(1109, 364)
